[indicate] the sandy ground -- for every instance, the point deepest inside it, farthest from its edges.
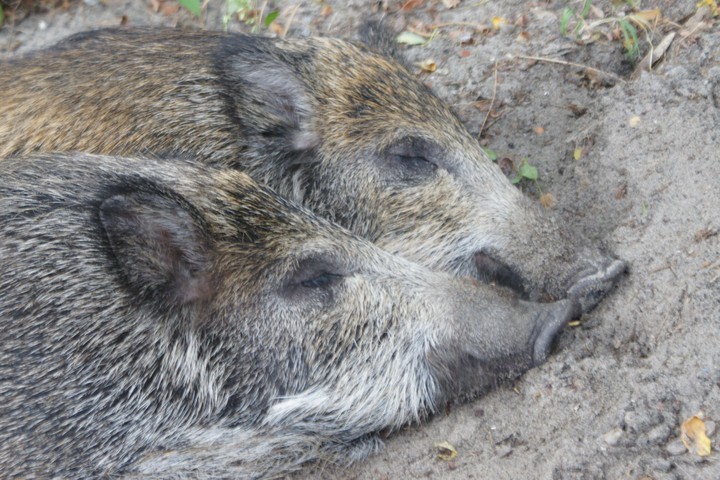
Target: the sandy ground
(609, 403)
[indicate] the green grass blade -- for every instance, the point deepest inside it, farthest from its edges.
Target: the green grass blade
(567, 14)
(271, 18)
(192, 6)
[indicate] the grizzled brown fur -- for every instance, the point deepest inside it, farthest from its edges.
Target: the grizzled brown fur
(167, 320)
(344, 130)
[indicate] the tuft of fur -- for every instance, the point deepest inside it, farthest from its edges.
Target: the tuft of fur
(334, 125)
(167, 320)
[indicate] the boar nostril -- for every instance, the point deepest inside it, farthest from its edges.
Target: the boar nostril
(491, 270)
(590, 285)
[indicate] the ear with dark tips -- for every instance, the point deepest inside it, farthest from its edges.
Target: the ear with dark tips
(381, 37)
(271, 100)
(159, 246)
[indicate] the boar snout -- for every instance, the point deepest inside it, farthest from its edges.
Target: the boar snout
(593, 281)
(494, 336)
(592, 275)
(549, 321)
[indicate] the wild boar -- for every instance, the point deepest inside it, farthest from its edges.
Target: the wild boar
(170, 319)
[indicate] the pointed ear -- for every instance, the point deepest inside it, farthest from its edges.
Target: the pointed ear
(380, 36)
(159, 246)
(272, 100)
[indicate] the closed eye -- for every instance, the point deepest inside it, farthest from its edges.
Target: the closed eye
(322, 280)
(411, 159)
(317, 272)
(415, 162)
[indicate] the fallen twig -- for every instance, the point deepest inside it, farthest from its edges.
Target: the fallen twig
(290, 20)
(492, 101)
(571, 64)
(477, 26)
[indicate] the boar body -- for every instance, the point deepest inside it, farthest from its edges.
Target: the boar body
(165, 320)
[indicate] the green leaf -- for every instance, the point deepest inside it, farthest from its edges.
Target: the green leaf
(525, 171)
(271, 18)
(409, 38)
(528, 171)
(492, 155)
(192, 6)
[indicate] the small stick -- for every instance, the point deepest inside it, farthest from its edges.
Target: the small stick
(492, 101)
(262, 12)
(289, 22)
(570, 64)
(477, 26)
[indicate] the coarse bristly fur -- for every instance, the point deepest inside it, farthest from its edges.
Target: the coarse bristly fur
(343, 129)
(169, 320)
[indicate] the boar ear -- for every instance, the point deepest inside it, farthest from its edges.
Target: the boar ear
(159, 247)
(271, 101)
(378, 35)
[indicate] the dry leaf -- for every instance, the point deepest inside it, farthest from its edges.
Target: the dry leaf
(464, 37)
(547, 200)
(326, 11)
(597, 12)
(506, 165)
(446, 451)
(276, 28)
(483, 104)
(410, 38)
(521, 21)
(523, 36)
(411, 5)
(711, 4)
(169, 8)
(692, 434)
(654, 55)
(451, 3)
(497, 22)
(700, 21)
(577, 110)
(428, 65)
(704, 234)
(650, 16)
(621, 191)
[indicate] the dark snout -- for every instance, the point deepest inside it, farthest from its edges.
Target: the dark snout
(589, 285)
(550, 320)
(492, 336)
(585, 278)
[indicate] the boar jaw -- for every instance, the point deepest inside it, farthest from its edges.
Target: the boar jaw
(509, 337)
